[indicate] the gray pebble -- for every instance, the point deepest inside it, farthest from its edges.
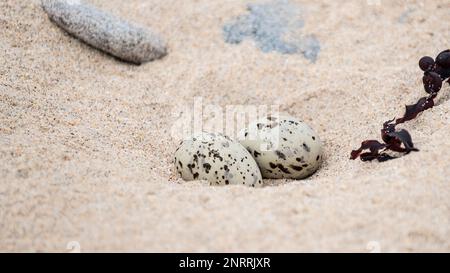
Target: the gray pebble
(104, 31)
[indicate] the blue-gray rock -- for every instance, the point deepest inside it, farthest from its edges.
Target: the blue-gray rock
(274, 26)
(106, 32)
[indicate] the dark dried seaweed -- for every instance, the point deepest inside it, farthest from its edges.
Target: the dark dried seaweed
(400, 141)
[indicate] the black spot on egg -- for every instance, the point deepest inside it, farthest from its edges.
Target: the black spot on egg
(297, 168)
(283, 169)
(280, 155)
(207, 167)
(190, 167)
(306, 147)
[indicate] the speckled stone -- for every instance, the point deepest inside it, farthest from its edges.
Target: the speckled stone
(104, 31)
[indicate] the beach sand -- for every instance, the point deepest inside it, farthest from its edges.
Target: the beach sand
(86, 150)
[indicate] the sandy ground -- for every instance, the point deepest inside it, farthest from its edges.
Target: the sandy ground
(86, 150)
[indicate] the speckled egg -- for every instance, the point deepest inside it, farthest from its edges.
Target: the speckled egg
(283, 147)
(217, 159)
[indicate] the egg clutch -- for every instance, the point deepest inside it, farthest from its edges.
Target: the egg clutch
(275, 147)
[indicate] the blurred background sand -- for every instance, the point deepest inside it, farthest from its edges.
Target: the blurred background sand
(86, 150)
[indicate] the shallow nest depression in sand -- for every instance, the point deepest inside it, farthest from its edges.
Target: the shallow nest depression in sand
(86, 155)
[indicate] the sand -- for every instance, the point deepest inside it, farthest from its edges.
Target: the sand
(86, 147)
